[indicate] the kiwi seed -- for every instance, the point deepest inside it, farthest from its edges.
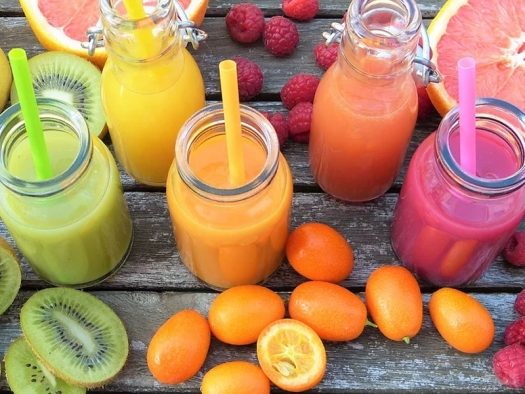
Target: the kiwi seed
(76, 336)
(69, 78)
(10, 275)
(26, 374)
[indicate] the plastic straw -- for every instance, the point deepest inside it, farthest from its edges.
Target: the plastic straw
(467, 114)
(144, 36)
(28, 105)
(232, 120)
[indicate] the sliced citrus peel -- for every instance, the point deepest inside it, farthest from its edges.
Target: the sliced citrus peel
(292, 355)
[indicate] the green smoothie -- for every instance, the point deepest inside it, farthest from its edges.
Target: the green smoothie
(76, 237)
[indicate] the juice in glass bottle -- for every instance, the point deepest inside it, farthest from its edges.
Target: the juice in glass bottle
(75, 228)
(365, 107)
(448, 225)
(229, 235)
(150, 86)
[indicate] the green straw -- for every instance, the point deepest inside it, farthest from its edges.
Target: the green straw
(28, 105)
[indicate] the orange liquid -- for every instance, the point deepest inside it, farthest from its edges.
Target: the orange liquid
(359, 134)
(227, 244)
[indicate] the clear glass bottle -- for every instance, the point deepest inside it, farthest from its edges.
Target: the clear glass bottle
(150, 85)
(448, 225)
(75, 228)
(229, 235)
(365, 107)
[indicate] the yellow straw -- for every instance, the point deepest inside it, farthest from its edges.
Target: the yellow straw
(145, 38)
(232, 120)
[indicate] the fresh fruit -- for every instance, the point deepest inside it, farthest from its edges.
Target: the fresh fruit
(519, 303)
(299, 122)
(319, 252)
(335, 313)
(280, 124)
(324, 55)
(10, 275)
(515, 332)
(292, 355)
(26, 374)
(302, 10)
(280, 36)
(509, 365)
(462, 321)
(245, 22)
(425, 107)
(514, 251)
(77, 337)
(179, 347)
(299, 88)
(61, 25)
(239, 314)
(249, 78)
(394, 301)
(496, 47)
(6, 79)
(239, 377)
(70, 79)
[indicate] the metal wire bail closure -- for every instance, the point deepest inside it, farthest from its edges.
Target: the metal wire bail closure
(190, 32)
(424, 69)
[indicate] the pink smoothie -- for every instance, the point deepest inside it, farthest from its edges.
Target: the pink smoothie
(445, 234)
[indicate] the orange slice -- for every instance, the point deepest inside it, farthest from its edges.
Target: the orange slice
(60, 25)
(291, 354)
(491, 32)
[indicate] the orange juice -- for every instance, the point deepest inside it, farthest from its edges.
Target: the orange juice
(229, 235)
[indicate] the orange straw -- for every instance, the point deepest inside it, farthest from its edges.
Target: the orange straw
(144, 36)
(232, 121)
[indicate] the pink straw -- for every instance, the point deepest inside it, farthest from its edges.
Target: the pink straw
(467, 114)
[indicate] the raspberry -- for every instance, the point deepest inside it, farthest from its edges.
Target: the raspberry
(299, 121)
(245, 22)
(514, 251)
(280, 36)
(249, 78)
(266, 114)
(299, 88)
(515, 332)
(324, 55)
(425, 106)
(519, 304)
(280, 124)
(509, 365)
(302, 10)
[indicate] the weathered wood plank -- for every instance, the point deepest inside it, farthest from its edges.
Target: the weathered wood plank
(371, 363)
(154, 262)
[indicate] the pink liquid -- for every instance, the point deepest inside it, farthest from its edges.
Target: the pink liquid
(445, 234)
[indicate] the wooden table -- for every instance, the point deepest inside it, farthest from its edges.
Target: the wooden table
(154, 284)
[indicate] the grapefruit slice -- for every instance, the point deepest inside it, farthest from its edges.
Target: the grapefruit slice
(61, 25)
(491, 32)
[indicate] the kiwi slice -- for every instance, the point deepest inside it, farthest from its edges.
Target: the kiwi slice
(26, 374)
(77, 337)
(10, 275)
(69, 78)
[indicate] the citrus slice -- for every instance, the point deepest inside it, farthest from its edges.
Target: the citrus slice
(291, 354)
(491, 32)
(61, 25)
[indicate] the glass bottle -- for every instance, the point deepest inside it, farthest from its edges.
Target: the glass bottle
(448, 225)
(229, 235)
(365, 107)
(75, 228)
(150, 85)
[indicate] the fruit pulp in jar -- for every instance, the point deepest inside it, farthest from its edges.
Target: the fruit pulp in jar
(441, 234)
(73, 238)
(145, 108)
(360, 134)
(233, 243)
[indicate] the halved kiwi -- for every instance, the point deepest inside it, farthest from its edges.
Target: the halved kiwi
(10, 275)
(26, 374)
(71, 79)
(76, 336)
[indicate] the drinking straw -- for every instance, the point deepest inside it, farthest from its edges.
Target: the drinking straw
(232, 120)
(29, 108)
(467, 114)
(144, 37)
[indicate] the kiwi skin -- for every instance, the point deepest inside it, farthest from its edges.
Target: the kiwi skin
(69, 78)
(67, 356)
(5, 247)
